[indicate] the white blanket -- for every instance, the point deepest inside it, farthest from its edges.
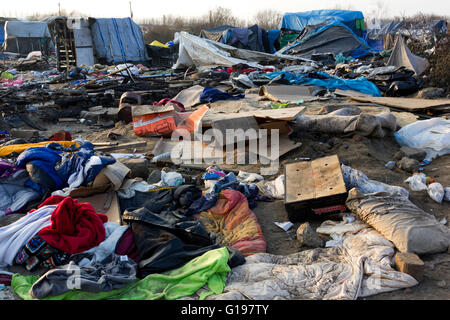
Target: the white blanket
(361, 267)
(14, 236)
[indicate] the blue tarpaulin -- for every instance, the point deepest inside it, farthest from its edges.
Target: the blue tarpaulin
(119, 40)
(2, 33)
(330, 82)
(273, 36)
(300, 20)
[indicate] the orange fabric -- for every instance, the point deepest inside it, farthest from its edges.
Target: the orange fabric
(234, 223)
(164, 123)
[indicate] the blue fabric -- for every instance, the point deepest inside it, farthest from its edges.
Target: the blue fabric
(83, 166)
(213, 95)
(300, 20)
(44, 158)
(209, 200)
(119, 40)
(330, 82)
(2, 33)
(273, 36)
(80, 169)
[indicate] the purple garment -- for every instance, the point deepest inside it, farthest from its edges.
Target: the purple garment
(7, 169)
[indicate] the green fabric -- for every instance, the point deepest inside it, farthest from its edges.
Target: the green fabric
(210, 268)
(288, 37)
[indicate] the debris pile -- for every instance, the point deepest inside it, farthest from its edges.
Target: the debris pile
(220, 163)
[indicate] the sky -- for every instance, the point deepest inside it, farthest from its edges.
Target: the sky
(243, 9)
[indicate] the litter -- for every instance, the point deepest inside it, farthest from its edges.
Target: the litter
(178, 167)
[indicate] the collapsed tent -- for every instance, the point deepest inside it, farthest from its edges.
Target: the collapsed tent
(24, 37)
(335, 38)
(401, 56)
(118, 40)
(197, 52)
(253, 38)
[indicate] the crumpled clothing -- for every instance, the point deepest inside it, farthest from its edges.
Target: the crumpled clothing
(14, 195)
(114, 272)
(114, 233)
(83, 166)
(360, 267)
(14, 236)
(213, 95)
(234, 224)
(166, 240)
(208, 270)
(126, 246)
(7, 169)
(230, 181)
(44, 158)
(75, 227)
(37, 252)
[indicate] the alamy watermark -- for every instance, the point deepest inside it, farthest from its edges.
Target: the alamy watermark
(208, 147)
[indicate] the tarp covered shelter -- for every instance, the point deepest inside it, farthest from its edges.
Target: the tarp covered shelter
(118, 40)
(252, 38)
(216, 33)
(300, 20)
(24, 37)
(335, 38)
(401, 56)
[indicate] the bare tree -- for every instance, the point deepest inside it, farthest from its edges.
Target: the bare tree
(268, 19)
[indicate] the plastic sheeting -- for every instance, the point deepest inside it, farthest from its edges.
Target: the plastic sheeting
(322, 79)
(26, 29)
(432, 136)
(197, 52)
(118, 40)
(300, 20)
(336, 38)
(401, 56)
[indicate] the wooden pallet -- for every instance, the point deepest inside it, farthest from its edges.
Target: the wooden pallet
(312, 185)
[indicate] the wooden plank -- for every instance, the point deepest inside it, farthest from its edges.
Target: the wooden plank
(328, 177)
(409, 104)
(122, 146)
(299, 182)
(309, 180)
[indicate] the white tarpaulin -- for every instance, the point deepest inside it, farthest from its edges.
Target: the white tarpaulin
(401, 56)
(200, 52)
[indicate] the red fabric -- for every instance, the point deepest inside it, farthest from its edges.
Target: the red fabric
(61, 136)
(126, 246)
(75, 228)
(232, 70)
